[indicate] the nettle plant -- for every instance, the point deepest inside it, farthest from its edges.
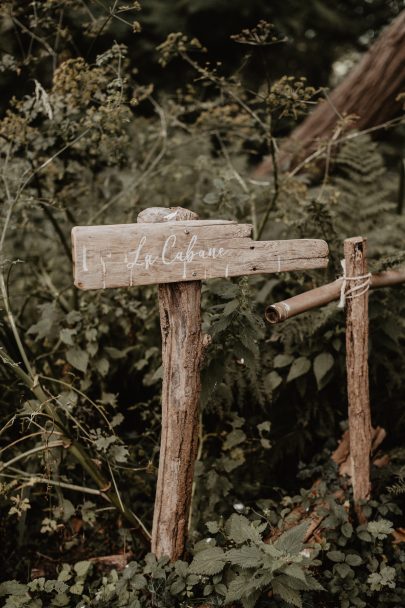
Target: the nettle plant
(241, 569)
(259, 559)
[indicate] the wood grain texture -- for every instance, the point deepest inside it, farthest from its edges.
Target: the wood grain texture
(176, 250)
(182, 350)
(355, 250)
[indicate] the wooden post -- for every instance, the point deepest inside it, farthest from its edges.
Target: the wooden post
(182, 348)
(355, 250)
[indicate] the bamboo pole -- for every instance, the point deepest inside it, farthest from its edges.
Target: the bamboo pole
(355, 250)
(182, 350)
(314, 298)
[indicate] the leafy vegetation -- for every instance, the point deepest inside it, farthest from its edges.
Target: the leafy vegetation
(86, 137)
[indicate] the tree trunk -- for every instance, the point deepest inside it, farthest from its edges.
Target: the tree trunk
(182, 349)
(369, 92)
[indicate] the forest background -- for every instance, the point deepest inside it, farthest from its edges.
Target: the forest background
(107, 108)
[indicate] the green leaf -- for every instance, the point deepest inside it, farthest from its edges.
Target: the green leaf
(61, 600)
(66, 334)
(296, 571)
(336, 556)
(66, 510)
(78, 358)
(282, 361)
(264, 426)
(212, 526)
(13, 588)
(347, 530)
(353, 560)
(119, 453)
(66, 573)
(114, 353)
(77, 588)
(207, 590)
(323, 363)
(300, 367)
(138, 581)
(177, 587)
(240, 530)
(236, 589)
(208, 562)
(44, 327)
(230, 307)
(343, 570)
(103, 366)
(312, 584)
(221, 589)
(273, 380)
(211, 198)
(380, 529)
(245, 556)
(292, 541)
(250, 600)
(82, 568)
(388, 575)
(181, 568)
(364, 536)
(234, 438)
(290, 596)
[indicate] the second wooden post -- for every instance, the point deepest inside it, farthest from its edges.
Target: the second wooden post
(182, 348)
(355, 250)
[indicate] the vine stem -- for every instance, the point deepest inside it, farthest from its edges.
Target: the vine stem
(274, 198)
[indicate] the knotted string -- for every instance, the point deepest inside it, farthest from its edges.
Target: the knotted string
(355, 291)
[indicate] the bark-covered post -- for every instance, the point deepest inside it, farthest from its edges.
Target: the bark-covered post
(355, 251)
(182, 346)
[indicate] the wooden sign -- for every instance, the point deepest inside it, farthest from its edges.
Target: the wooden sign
(124, 255)
(170, 247)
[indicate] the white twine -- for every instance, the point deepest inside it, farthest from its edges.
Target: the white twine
(286, 310)
(355, 291)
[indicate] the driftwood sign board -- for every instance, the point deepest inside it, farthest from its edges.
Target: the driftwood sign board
(124, 255)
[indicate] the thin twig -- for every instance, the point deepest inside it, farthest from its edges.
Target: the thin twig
(14, 327)
(33, 35)
(40, 448)
(276, 192)
(13, 443)
(60, 484)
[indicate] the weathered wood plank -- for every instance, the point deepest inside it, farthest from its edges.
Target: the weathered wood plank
(124, 255)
